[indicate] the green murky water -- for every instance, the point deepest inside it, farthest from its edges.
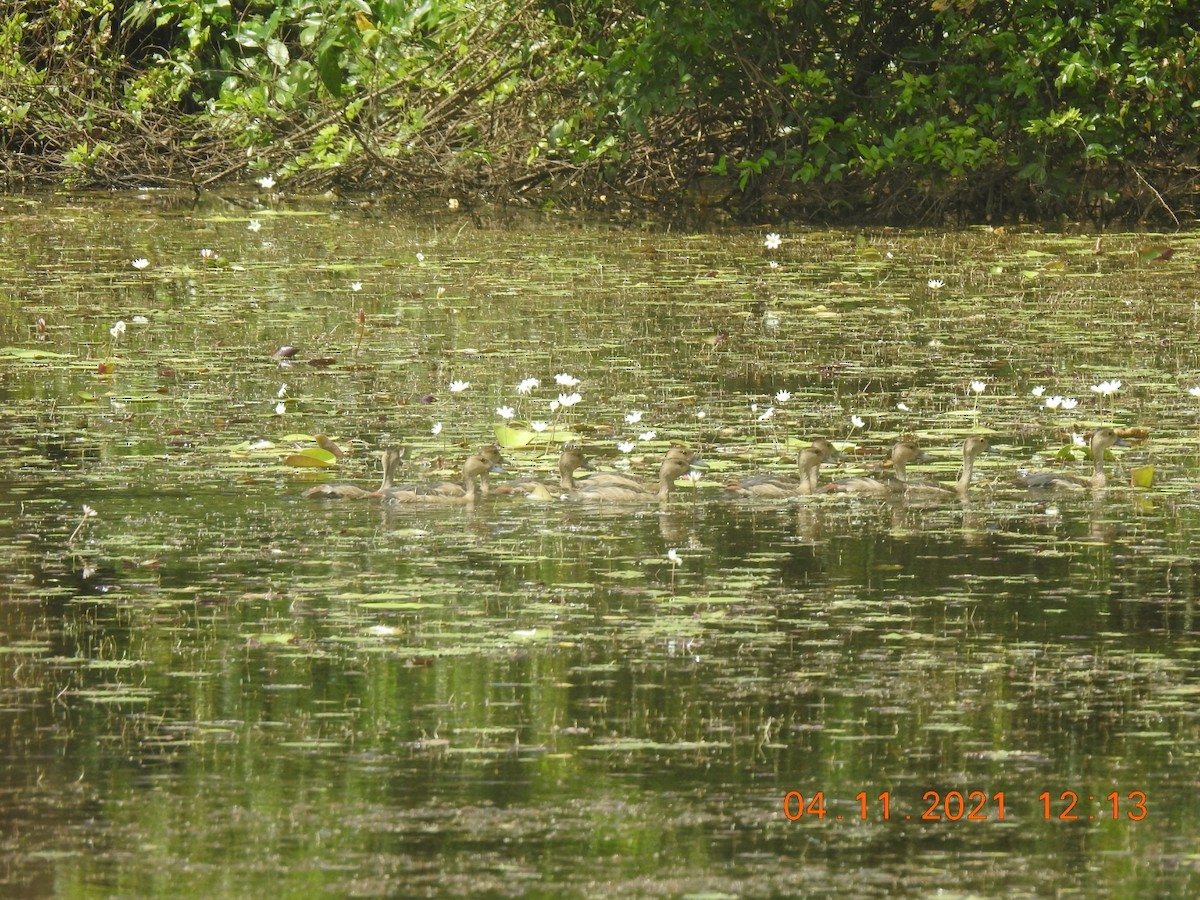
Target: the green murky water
(213, 687)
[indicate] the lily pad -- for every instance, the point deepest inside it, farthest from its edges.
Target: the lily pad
(311, 457)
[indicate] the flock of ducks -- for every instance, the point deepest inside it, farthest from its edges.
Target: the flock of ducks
(610, 487)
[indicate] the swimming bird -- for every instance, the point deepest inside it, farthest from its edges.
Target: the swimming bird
(474, 475)
(678, 461)
(490, 453)
(1101, 440)
(391, 460)
(922, 487)
(775, 486)
(903, 452)
(569, 460)
(616, 478)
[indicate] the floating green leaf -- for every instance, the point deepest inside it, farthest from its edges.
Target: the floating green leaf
(311, 457)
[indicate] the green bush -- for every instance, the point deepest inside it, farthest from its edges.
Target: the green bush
(965, 108)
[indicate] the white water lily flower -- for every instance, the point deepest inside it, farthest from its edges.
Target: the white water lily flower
(457, 387)
(266, 182)
(935, 284)
(539, 426)
(979, 386)
(117, 330)
(208, 254)
(783, 396)
(673, 557)
(625, 446)
(280, 408)
(140, 320)
(632, 418)
(857, 421)
(773, 264)
(1105, 388)
(773, 241)
(282, 391)
(436, 429)
(1078, 441)
(356, 286)
(700, 414)
(1053, 402)
(1039, 390)
(254, 225)
(140, 263)
(527, 385)
(647, 436)
(766, 414)
(694, 475)
(554, 404)
(505, 412)
(902, 406)
(1194, 391)
(569, 399)
(1069, 403)
(566, 380)
(88, 512)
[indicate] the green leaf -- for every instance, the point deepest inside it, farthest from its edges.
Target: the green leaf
(513, 438)
(510, 438)
(31, 353)
(311, 457)
(330, 70)
(277, 52)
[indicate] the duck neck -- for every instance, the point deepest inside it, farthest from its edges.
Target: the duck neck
(666, 481)
(566, 479)
(475, 478)
(389, 473)
(1098, 477)
(964, 480)
(810, 474)
(473, 492)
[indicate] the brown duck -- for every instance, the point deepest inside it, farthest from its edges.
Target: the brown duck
(775, 486)
(1101, 440)
(391, 460)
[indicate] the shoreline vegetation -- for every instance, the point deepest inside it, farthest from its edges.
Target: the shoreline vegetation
(941, 113)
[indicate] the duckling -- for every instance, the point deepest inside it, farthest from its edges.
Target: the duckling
(569, 460)
(903, 452)
(676, 463)
(475, 471)
(391, 459)
(972, 447)
(619, 480)
(1102, 439)
(774, 486)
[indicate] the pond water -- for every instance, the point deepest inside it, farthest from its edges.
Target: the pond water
(214, 687)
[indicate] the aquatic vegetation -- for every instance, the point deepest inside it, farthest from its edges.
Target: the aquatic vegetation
(386, 665)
